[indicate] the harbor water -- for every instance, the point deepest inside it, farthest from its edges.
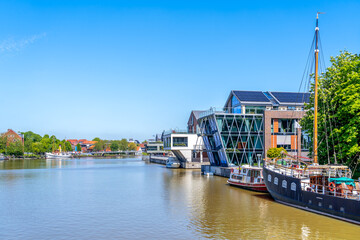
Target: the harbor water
(131, 199)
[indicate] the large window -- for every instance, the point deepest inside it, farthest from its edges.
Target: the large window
(180, 142)
(285, 146)
(167, 142)
(235, 104)
(254, 110)
(152, 148)
(286, 125)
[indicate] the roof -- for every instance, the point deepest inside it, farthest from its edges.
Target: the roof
(197, 113)
(251, 96)
(73, 141)
(89, 142)
(290, 97)
(11, 132)
(269, 98)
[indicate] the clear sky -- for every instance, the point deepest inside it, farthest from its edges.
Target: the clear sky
(114, 69)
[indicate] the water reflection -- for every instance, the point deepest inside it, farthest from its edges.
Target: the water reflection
(129, 198)
(216, 210)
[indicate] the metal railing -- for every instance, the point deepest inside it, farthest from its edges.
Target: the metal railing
(305, 174)
(177, 131)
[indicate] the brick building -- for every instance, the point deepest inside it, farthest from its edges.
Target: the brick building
(12, 136)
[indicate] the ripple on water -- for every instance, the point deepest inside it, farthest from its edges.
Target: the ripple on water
(130, 199)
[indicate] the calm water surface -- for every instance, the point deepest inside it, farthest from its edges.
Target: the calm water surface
(132, 199)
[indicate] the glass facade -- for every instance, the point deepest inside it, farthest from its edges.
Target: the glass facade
(233, 139)
(235, 105)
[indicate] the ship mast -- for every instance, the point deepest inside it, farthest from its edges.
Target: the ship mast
(316, 89)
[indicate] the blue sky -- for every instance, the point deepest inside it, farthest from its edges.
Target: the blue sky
(114, 69)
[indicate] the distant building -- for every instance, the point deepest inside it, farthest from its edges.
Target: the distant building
(12, 136)
(155, 147)
(250, 123)
(143, 147)
(86, 146)
(73, 143)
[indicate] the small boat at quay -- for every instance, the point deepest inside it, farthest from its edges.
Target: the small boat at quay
(248, 177)
(172, 163)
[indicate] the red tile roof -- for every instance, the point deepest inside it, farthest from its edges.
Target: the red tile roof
(73, 141)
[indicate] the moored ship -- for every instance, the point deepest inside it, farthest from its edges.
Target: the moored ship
(324, 189)
(247, 177)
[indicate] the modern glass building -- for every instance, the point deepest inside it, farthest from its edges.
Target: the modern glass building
(250, 123)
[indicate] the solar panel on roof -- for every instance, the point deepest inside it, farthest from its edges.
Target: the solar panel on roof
(286, 97)
(251, 96)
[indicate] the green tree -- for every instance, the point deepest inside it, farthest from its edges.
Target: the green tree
(29, 139)
(78, 147)
(123, 144)
(47, 144)
(276, 153)
(15, 149)
(132, 146)
(338, 111)
(100, 146)
(68, 147)
(114, 146)
(3, 141)
(97, 139)
(38, 147)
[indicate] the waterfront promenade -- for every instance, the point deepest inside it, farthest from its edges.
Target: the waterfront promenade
(98, 198)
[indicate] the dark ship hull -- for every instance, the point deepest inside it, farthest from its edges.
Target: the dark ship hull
(287, 190)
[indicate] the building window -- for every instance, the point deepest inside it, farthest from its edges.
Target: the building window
(237, 109)
(284, 184)
(180, 142)
(254, 110)
(285, 146)
(286, 125)
(167, 142)
(235, 105)
(234, 101)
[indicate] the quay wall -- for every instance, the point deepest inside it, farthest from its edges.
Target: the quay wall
(187, 165)
(218, 171)
(158, 159)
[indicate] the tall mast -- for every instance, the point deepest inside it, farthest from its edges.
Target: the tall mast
(316, 90)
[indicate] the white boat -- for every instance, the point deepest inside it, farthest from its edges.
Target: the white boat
(248, 177)
(172, 163)
(57, 155)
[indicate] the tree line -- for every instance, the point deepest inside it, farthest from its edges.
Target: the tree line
(37, 144)
(114, 145)
(33, 143)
